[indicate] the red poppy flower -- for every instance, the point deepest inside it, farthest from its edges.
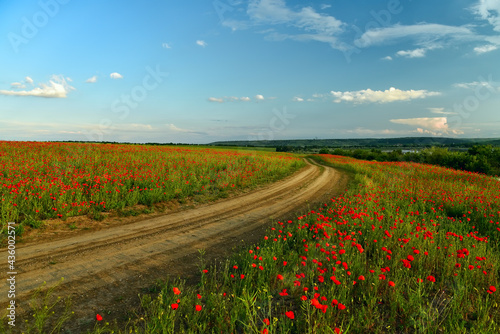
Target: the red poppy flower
(391, 283)
(266, 321)
(98, 317)
(284, 293)
(198, 308)
(280, 277)
(290, 314)
(174, 306)
(177, 291)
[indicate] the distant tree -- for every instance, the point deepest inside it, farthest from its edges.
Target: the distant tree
(324, 151)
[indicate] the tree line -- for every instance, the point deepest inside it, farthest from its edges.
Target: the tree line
(478, 158)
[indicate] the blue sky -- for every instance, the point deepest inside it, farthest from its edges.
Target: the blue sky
(200, 71)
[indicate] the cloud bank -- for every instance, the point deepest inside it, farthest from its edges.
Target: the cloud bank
(57, 87)
(378, 96)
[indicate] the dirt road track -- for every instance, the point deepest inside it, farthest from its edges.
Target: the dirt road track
(106, 269)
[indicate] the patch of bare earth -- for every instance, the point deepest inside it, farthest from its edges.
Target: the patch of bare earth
(105, 268)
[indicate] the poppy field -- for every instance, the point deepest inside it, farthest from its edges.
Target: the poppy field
(408, 248)
(41, 181)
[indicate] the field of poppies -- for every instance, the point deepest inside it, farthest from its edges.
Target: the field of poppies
(409, 248)
(39, 181)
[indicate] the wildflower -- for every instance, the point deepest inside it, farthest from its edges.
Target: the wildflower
(280, 277)
(391, 283)
(290, 314)
(198, 308)
(174, 306)
(431, 278)
(177, 291)
(98, 317)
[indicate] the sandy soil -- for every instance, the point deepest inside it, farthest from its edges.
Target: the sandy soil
(105, 270)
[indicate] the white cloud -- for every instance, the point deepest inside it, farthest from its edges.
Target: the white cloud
(436, 110)
(297, 99)
(57, 87)
(378, 96)
(17, 85)
(214, 99)
(116, 75)
(490, 85)
(425, 33)
(489, 10)
(312, 26)
(417, 53)
(428, 125)
(201, 43)
(259, 97)
(92, 79)
(28, 80)
(387, 58)
(230, 99)
(441, 111)
(136, 127)
(485, 48)
(174, 128)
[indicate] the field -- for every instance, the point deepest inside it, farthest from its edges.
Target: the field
(41, 181)
(408, 248)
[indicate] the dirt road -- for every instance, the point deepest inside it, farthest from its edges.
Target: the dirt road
(105, 270)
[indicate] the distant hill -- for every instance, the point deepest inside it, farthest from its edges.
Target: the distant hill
(364, 142)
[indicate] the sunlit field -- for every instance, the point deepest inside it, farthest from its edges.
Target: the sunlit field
(408, 248)
(39, 181)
